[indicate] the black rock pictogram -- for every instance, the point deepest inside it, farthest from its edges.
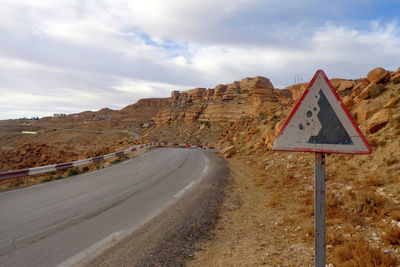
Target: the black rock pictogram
(332, 130)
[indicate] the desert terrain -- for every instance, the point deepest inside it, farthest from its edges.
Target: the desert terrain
(267, 215)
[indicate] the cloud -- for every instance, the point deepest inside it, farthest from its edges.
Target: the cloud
(341, 51)
(68, 56)
(45, 90)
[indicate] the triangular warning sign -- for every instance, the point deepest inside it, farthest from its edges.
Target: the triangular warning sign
(320, 122)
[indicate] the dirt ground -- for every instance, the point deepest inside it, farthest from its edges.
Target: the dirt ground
(267, 217)
(251, 231)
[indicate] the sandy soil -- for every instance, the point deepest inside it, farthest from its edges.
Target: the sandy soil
(251, 231)
(267, 216)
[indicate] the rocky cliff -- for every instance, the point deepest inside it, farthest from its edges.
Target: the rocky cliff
(238, 100)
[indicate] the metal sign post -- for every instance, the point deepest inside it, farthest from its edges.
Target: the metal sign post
(319, 210)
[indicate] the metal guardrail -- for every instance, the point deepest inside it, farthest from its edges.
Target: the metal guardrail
(62, 166)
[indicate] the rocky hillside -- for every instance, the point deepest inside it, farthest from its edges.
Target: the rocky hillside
(363, 224)
(245, 116)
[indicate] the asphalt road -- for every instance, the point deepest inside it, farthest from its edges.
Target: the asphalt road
(61, 222)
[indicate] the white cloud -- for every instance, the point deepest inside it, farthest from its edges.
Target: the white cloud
(145, 88)
(182, 19)
(65, 55)
(342, 51)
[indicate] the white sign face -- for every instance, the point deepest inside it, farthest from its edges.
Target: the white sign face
(320, 122)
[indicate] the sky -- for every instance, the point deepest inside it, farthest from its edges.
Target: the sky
(68, 56)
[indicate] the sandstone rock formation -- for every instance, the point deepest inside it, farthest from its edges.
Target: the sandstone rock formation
(360, 85)
(238, 100)
(373, 89)
(392, 102)
(229, 151)
(348, 101)
(378, 121)
(346, 85)
(378, 75)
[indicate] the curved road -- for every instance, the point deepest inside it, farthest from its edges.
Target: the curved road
(63, 221)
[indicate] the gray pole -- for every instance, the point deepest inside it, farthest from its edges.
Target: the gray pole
(319, 212)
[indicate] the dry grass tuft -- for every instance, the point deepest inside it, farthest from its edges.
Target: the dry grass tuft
(395, 215)
(288, 179)
(334, 205)
(392, 235)
(309, 233)
(359, 253)
(276, 199)
(334, 239)
(370, 203)
(375, 179)
(307, 205)
(377, 141)
(289, 220)
(390, 161)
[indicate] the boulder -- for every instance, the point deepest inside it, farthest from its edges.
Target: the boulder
(278, 126)
(378, 75)
(229, 151)
(363, 111)
(348, 101)
(395, 78)
(269, 138)
(364, 114)
(346, 85)
(371, 90)
(392, 102)
(337, 82)
(378, 121)
(360, 85)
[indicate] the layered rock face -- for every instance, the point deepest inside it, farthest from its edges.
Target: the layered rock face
(238, 100)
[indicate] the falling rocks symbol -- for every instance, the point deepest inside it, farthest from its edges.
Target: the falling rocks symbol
(332, 130)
